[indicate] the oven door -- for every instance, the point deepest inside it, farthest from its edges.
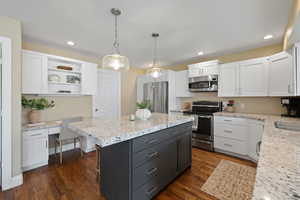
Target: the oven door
(204, 128)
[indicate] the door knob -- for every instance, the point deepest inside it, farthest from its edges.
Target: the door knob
(96, 109)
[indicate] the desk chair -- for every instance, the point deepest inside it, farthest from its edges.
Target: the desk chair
(66, 135)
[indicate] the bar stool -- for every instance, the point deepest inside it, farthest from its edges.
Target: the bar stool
(98, 153)
(66, 135)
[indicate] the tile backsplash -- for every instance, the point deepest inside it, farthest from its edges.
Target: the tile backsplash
(259, 105)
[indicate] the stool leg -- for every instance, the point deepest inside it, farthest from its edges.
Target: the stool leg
(60, 145)
(97, 164)
(74, 143)
(81, 152)
(55, 148)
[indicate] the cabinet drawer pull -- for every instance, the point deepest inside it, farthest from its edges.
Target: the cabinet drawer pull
(151, 190)
(151, 141)
(258, 148)
(227, 120)
(228, 145)
(154, 154)
(227, 131)
(151, 171)
(37, 134)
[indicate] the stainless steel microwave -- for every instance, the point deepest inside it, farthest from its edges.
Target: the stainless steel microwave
(203, 83)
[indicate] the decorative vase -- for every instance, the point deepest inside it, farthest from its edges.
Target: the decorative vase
(143, 114)
(34, 116)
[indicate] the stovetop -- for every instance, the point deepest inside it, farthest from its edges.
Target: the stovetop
(204, 108)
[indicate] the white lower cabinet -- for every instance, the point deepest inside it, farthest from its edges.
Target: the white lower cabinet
(255, 130)
(238, 136)
(35, 149)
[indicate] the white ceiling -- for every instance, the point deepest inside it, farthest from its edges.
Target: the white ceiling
(185, 26)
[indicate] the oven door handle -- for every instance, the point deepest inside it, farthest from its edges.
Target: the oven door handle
(205, 117)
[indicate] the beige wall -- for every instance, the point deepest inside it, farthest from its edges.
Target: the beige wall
(12, 29)
(65, 107)
(263, 105)
(82, 105)
(128, 90)
(291, 23)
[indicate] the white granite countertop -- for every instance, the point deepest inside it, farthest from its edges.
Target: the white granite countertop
(278, 170)
(42, 125)
(108, 132)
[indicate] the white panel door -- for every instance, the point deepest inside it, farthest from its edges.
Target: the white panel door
(107, 101)
(89, 79)
(254, 77)
(34, 71)
(281, 75)
(228, 80)
(182, 85)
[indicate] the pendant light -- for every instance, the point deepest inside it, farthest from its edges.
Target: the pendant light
(155, 71)
(115, 61)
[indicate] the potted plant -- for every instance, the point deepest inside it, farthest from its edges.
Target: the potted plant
(35, 106)
(143, 111)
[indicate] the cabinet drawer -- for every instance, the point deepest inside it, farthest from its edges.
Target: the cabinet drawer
(35, 134)
(231, 131)
(145, 172)
(54, 130)
(147, 141)
(147, 191)
(230, 120)
(230, 145)
(180, 129)
(146, 155)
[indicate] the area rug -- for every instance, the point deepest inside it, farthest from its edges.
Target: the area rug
(230, 181)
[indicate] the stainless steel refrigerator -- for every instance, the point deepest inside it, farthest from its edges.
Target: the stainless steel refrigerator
(157, 95)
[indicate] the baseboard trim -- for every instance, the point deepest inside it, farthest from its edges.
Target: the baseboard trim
(13, 182)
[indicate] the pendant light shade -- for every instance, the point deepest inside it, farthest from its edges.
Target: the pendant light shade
(155, 71)
(115, 60)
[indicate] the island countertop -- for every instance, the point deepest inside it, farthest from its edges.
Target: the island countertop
(278, 170)
(108, 132)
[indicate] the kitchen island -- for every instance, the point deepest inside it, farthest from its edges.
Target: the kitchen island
(139, 158)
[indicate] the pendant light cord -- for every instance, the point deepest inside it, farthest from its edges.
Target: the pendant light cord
(116, 42)
(155, 52)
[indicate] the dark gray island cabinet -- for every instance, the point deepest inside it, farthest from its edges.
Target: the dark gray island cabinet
(140, 168)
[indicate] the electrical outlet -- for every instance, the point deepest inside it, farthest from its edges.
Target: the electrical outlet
(242, 105)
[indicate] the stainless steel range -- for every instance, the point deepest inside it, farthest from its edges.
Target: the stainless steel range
(202, 111)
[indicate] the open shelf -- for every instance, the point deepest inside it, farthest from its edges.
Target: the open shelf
(64, 71)
(61, 83)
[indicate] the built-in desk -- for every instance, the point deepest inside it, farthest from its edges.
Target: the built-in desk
(38, 144)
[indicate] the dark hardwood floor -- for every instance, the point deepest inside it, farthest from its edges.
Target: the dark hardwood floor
(75, 179)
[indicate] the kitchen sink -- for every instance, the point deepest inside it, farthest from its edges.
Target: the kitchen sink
(291, 126)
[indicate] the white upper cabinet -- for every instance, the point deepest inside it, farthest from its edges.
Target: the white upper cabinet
(182, 85)
(281, 75)
(55, 75)
(34, 73)
(203, 69)
(89, 79)
(253, 77)
(228, 80)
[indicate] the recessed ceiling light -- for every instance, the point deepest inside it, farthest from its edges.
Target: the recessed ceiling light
(200, 53)
(71, 43)
(267, 37)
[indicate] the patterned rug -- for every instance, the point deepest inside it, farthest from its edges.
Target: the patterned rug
(230, 181)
